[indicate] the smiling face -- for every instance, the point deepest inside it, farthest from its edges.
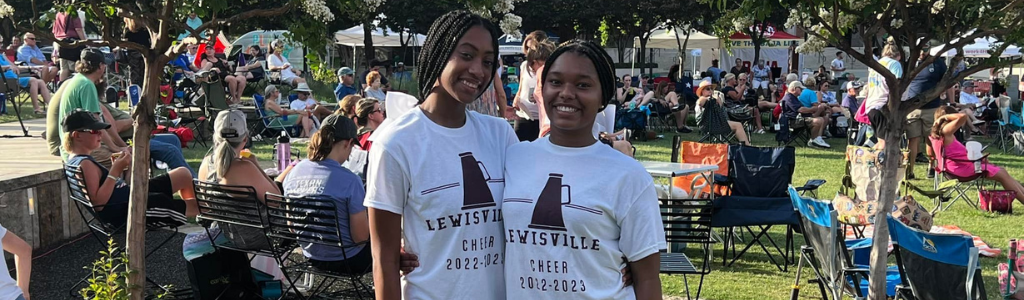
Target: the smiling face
(572, 94)
(470, 67)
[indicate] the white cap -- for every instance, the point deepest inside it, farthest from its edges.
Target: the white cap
(230, 126)
(853, 85)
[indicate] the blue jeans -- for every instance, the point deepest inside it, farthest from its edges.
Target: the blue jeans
(167, 148)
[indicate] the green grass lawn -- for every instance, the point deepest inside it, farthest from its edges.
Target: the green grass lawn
(753, 276)
(26, 113)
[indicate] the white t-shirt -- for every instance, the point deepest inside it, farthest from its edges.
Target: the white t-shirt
(966, 98)
(573, 218)
(527, 83)
(838, 64)
(298, 104)
(9, 289)
(447, 184)
(878, 90)
(274, 61)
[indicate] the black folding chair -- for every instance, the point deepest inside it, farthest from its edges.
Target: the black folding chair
(687, 221)
(788, 134)
(103, 230)
(315, 221)
(243, 218)
(758, 199)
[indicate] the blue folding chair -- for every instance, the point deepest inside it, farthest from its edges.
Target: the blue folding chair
(830, 255)
(936, 266)
(269, 123)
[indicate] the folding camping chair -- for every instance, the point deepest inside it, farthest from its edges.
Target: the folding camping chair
(235, 209)
(315, 221)
(828, 253)
(268, 125)
(758, 178)
(788, 134)
(959, 185)
(1010, 129)
(936, 266)
(104, 230)
(698, 153)
(687, 221)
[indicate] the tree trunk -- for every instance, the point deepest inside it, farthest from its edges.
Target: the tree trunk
(368, 52)
(643, 56)
(621, 48)
(887, 193)
(144, 121)
(682, 52)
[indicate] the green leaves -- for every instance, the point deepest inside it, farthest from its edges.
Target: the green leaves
(109, 279)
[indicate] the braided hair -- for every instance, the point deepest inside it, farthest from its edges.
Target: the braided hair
(597, 55)
(442, 38)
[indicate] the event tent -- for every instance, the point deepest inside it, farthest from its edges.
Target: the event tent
(980, 48)
(382, 37)
(666, 39)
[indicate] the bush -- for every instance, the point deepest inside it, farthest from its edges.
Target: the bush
(109, 279)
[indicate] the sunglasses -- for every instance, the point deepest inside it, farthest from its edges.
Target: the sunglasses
(30, 39)
(90, 131)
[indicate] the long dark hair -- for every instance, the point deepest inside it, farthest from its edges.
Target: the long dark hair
(441, 40)
(597, 55)
(937, 126)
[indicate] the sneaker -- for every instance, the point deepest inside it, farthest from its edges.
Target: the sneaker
(684, 130)
(922, 158)
(759, 131)
(931, 173)
(820, 143)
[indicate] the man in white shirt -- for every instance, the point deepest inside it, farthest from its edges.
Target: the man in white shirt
(968, 104)
(307, 103)
(838, 66)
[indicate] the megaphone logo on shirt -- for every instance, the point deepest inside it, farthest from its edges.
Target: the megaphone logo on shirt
(475, 177)
(547, 213)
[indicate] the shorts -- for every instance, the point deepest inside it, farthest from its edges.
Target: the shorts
(67, 64)
(161, 207)
(878, 122)
(762, 84)
(23, 81)
(919, 122)
(358, 264)
(801, 122)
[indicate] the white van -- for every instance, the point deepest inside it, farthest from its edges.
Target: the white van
(292, 50)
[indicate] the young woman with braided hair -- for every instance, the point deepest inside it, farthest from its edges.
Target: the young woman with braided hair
(594, 229)
(434, 182)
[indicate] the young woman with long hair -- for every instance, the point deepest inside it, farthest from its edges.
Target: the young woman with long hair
(560, 210)
(435, 178)
(947, 122)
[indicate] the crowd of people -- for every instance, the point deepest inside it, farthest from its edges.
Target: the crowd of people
(457, 143)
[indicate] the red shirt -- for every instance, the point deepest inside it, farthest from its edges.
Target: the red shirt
(65, 28)
(364, 141)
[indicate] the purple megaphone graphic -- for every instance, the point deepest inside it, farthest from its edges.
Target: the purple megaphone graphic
(475, 192)
(547, 214)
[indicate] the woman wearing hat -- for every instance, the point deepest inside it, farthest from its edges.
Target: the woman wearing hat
(274, 110)
(711, 116)
(278, 63)
(108, 192)
(227, 164)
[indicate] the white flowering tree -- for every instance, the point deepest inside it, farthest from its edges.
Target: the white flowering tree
(750, 17)
(164, 20)
(911, 24)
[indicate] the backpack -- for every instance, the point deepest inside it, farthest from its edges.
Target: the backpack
(634, 121)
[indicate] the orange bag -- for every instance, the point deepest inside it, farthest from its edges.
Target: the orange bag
(705, 154)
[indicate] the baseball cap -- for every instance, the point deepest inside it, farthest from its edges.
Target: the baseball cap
(345, 71)
(796, 84)
(968, 84)
(80, 120)
(230, 126)
(93, 57)
(853, 85)
(344, 128)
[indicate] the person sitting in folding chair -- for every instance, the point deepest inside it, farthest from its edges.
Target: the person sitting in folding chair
(273, 109)
(800, 116)
(108, 191)
(35, 86)
(954, 154)
(711, 117)
(323, 177)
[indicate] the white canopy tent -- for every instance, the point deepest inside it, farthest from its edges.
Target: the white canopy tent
(382, 37)
(980, 48)
(666, 39)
